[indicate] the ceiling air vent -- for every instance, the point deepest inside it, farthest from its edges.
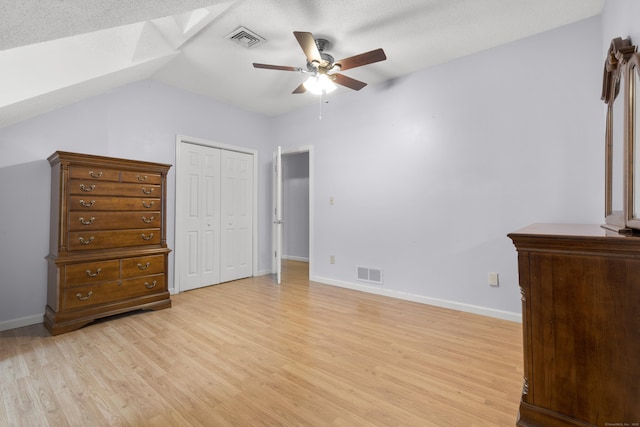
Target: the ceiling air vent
(245, 38)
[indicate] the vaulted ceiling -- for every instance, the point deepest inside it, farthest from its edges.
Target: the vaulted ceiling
(56, 52)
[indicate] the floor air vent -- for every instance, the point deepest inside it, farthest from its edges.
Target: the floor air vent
(245, 38)
(371, 275)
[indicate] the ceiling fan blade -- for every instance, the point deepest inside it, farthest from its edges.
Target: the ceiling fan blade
(308, 45)
(343, 80)
(300, 89)
(370, 57)
(276, 67)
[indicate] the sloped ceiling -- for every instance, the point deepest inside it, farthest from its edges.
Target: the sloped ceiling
(56, 52)
(66, 51)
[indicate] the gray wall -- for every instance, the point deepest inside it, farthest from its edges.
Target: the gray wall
(431, 171)
(620, 19)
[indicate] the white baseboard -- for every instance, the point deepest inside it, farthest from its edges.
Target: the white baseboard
(264, 272)
(295, 258)
(454, 305)
(20, 322)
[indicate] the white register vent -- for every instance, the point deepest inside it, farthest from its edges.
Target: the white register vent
(369, 274)
(245, 37)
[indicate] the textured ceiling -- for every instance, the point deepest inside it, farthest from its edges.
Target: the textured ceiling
(26, 22)
(54, 52)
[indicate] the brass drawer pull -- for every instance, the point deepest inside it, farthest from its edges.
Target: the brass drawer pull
(147, 220)
(143, 267)
(87, 189)
(145, 191)
(142, 178)
(90, 274)
(81, 298)
(150, 285)
(87, 205)
(87, 222)
(149, 237)
(95, 174)
(85, 242)
(150, 204)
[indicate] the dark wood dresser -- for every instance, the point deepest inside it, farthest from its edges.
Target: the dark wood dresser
(581, 326)
(108, 251)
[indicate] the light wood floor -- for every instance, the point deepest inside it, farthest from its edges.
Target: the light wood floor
(250, 353)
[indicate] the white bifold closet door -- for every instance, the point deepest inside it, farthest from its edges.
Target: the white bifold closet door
(217, 213)
(236, 197)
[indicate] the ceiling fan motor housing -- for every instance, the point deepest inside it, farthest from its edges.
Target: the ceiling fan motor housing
(327, 60)
(324, 66)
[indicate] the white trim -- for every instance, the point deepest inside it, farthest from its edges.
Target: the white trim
(295, 258)
(180, 139)
(21, 321)
(264, 273)
(454, 305)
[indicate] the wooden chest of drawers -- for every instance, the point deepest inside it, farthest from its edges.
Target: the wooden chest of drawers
(108, 251)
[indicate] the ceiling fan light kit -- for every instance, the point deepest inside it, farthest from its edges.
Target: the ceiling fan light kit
(319, 84)
(325, 70)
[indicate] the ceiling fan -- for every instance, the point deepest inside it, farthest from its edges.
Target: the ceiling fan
(324, 70)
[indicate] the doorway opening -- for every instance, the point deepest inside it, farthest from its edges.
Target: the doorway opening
(297, 207)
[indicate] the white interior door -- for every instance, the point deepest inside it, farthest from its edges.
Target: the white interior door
(237, 215)
(278, 220)
(201, 217)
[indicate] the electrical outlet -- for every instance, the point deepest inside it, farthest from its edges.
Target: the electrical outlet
(332, 259)
(493, 279)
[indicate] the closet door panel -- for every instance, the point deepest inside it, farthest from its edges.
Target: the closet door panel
(200, 263)
(237, 219)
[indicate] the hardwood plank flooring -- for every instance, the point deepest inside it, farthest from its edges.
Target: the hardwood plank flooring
(251, 353)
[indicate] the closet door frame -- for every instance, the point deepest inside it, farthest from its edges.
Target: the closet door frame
(180, 141)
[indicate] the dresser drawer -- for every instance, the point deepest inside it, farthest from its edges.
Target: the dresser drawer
(90, 203)
(142, 266)
(92, 272)
(98, 173)
(100, 220)
(141, 177)
(88, 187)
(89, 240)
(86, 296)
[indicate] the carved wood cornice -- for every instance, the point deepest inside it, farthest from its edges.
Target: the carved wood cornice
(618, 54)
